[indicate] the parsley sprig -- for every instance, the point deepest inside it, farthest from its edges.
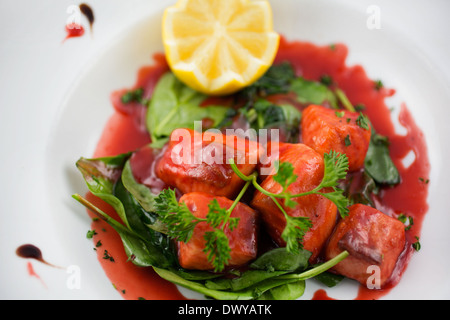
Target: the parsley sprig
(181, 221)
(335, 169)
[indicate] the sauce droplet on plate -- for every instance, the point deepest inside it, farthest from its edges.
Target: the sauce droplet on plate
(74, 30)
(87, 11)
(30, 251)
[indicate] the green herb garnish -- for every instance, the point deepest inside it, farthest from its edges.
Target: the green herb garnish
(378, 85)
(347, 141)
(180, 222)
(134, 96)
(363, 121)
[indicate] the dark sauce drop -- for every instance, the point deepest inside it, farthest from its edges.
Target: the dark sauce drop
(87, 11)
(29, 251)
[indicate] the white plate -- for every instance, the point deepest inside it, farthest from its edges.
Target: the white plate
(55, 102)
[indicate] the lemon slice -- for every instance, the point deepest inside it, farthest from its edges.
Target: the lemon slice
(219, 46)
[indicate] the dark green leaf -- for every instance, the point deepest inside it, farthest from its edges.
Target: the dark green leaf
(247, 279)
(288, 291)
(141, 192)
(276, 80)
(134, 96)
(140, 222)
(329, 279)
(378, 162)
(280, 259)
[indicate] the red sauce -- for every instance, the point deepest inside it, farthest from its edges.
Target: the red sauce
(321, 295)
(33, 273)
(74, 30)
(126, 131)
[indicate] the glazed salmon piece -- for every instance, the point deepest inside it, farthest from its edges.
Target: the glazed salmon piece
(194, 161)
(324, 129)
(372, 238)
(309, 167)
(242, 240)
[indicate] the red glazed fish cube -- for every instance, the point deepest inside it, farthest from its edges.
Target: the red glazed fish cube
(372, 238)
(309, 167)
(195, 161)
(242, 240)
(324, 129)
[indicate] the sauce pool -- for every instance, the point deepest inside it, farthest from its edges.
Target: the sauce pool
(126, 131)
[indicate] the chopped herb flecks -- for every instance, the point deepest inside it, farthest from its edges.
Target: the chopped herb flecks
(107, 256)
(363, 121)
(347, 141)
(416, 245)
(90, 234)
(378, 85)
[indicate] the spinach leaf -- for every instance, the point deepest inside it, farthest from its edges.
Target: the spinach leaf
(329, 279)
(175, 105)
(247, 279)
(378, 162)
(195, 275)
(280, 259)
(313, 92)
(249, 293)
(142, 193)
(288, 291)
(145, 198)
(140, 222)
(100, 175)
(271, 264)
(141, 252)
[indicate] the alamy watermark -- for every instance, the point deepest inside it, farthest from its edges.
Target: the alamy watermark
(74, 279)
(212, 146)
(373, 21)
(374, 280)
(74, 19)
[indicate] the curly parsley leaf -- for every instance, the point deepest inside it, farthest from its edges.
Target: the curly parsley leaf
(217, 248)
(285, 177)
(294, 232)
(181, 222)
(335, 169)
(179, 219)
